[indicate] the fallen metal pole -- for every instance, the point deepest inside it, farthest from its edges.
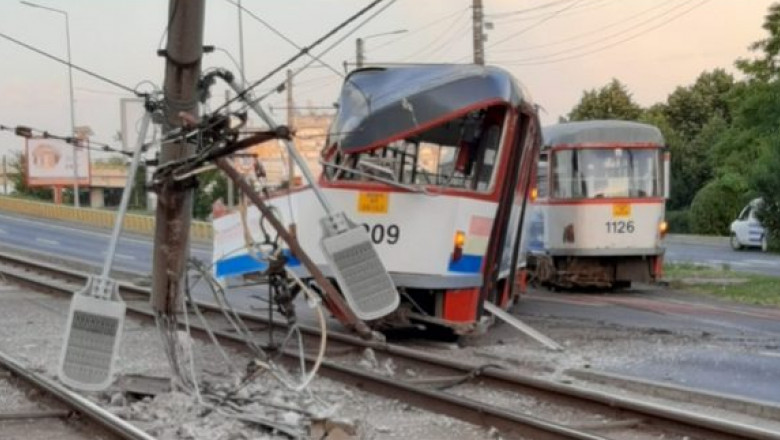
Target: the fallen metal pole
(333, 299)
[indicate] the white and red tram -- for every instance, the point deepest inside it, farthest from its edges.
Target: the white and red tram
(598, 219)
(436, 162)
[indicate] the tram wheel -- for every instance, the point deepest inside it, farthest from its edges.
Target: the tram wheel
(621, 284)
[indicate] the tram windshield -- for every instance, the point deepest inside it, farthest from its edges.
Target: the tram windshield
(459, 154)
(607, 172)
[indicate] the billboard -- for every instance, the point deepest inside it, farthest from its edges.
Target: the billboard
(50, 163)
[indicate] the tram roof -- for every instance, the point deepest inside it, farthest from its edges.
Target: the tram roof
(378, 105)
(601, 132)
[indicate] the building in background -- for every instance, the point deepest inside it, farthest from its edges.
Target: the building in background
(310, 132)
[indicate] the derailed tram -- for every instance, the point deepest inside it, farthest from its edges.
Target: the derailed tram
(598, 217)
(436, 163)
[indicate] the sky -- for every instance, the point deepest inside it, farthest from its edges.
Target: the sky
(555, 48)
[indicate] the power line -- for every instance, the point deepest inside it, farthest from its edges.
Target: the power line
(295, 73)
(282, 36)
(526, 10)
(421, 28)
(27, 132)
(61, 61)
(595, 31)
(538, 23)
(603, 48)
(594, 4)
(302, 52)
(429, 50)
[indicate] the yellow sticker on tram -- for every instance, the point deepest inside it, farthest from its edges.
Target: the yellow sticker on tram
(372, 203)
(621, 210)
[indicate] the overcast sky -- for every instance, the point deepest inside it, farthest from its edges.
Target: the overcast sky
(556, 48)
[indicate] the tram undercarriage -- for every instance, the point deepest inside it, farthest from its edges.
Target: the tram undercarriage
(599, 272)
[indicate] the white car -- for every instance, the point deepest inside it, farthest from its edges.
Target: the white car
(746, 230)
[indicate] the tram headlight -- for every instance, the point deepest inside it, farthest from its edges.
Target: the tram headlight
(460, 240)
(663, 228)
(534, 194)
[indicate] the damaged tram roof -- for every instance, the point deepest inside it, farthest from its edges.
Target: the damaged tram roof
(381, 105)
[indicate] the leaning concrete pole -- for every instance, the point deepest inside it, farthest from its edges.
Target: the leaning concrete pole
(174, 207)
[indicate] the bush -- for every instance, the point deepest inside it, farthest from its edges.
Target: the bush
(679, 221)
(766, 181)
(717, 204)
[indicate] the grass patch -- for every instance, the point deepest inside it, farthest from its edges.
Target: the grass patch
(723, 282)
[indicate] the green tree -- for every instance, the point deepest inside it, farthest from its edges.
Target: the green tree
(689, 109)
(612, 101)
(717, 204)
(212, 185)
(19, 166)
(765, 67)
(766, 182)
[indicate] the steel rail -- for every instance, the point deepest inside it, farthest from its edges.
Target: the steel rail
(501, 378)
(75, 401)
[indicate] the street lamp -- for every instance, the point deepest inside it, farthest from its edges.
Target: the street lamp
(360, 47)
(70, 81)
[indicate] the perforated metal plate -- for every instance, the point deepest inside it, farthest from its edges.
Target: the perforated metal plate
(362, 277)
(91, 342)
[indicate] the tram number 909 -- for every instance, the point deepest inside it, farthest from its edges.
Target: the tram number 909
(620, 227)
(383, 234)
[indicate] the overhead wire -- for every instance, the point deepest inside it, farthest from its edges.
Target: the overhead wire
(579, 9)
(328, 49)
(281, 35)
(526, 10)
(68, 139)
(65, 62)
(599, 29)
(454, 29)
(549, 59)
(551, 16)
(421, 28)
(301, 53)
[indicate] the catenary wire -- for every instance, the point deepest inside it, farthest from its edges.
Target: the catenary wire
(284, 37)
(301, 53)
(591, 32)
(613, 44)
(61, 61)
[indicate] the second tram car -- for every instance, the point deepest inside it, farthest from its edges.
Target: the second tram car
(598, 217)
(435, 162)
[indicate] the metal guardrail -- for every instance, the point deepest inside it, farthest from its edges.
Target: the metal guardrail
(141, 224)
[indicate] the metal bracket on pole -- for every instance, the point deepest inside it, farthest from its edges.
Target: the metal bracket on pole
(97, 312)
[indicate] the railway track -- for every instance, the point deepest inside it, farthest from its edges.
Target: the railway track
(518, 406)
(34, 407)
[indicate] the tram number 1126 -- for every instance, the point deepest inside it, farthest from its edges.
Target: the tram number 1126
(383, 234)
(620, 227)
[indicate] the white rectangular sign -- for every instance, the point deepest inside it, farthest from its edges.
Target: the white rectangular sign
(50, 162)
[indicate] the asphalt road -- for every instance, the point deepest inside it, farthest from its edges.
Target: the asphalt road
(737, 348)
(134, 252)
(721, 255)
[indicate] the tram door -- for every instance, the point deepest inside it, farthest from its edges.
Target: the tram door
(501, 254)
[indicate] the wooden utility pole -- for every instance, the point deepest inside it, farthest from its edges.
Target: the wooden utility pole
(183, 55)
(290, 123)
(478, 35)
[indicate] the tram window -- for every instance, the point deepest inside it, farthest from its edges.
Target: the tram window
(606, 172)
(541, 177)
(461, 153)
